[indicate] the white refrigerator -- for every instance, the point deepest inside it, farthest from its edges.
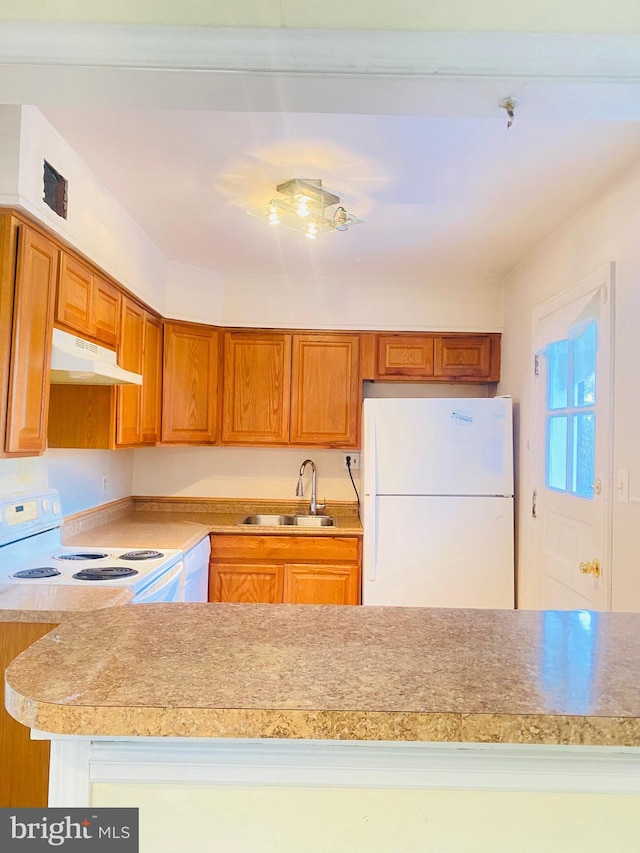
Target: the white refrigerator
(438, 502)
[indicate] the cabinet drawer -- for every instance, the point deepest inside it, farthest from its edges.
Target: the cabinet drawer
(285, 548)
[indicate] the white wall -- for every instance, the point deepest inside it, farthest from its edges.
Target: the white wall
(97, 225)
(21, 475)
(76, 474)
(616, 16)
(9, 153)
(334, 303)
(606, 230)
(236, 472)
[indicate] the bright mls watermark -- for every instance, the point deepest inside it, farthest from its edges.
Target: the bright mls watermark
(103, 830)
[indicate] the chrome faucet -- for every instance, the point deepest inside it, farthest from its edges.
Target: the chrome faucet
(314, 506)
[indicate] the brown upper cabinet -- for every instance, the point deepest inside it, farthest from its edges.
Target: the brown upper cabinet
(28, 275)
(326, 393)
(467, 357)
(87, 303)
(405, 357)
(151, 406)
(130, 357)
(257, 381)
(454, 357)
(110, 416)
(283, 388)
(190, 384)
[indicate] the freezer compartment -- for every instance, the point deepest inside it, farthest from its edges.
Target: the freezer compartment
(438, 446)
(438, 552)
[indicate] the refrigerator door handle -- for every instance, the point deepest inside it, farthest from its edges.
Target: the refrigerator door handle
(371, 488)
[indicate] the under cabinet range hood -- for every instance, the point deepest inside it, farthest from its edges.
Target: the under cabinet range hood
(75, 361)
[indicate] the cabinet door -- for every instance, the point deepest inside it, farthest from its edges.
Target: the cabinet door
(130, 357)
(190, 384)
(74, 301)
(471, 357)
(246, 582)
(8, 248)
(321, 583)
(106, 312)
(151, 380)
(257, 370)
(405, 357)
(35, 287)
(325, 390)
(25, 763)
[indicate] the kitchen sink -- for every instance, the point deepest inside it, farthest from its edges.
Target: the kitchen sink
(289, 520)
(269, 520)
(313, 521)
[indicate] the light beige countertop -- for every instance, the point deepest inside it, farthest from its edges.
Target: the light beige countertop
(182, 522)
(143, 530)
(363, 673)
(51, 604)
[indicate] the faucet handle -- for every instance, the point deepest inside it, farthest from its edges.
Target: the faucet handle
(321, 505)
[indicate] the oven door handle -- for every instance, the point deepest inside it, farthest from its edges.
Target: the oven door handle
(164, 580)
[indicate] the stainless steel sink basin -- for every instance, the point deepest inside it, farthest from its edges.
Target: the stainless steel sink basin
(269, 520)
(313, 521)
(289, 520)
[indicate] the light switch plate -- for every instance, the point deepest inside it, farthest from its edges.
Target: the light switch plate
(622, 486)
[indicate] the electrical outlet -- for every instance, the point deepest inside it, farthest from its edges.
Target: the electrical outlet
(355, 461)
(105, 483)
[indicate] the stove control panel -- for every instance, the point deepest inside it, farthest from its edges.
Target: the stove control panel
(26, 514)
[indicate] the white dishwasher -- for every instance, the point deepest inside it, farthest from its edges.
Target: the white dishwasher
(195, 585)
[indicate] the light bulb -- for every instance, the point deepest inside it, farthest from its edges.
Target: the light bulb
(303, 210)
(311, 231)
(273, 218)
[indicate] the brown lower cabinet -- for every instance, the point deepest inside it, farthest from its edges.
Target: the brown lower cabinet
(24, 763)
(285, 569)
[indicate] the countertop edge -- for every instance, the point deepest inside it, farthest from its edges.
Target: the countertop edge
(229, 723)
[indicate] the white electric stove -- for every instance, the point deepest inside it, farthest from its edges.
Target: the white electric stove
(31, 553)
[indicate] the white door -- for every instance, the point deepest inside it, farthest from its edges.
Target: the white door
(571, 453)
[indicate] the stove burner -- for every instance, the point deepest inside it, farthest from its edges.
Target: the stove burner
(104, 573)
(81, 555)
(44, 572)
(141, 555)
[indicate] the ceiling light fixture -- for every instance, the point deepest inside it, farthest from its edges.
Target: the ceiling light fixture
(304, 206)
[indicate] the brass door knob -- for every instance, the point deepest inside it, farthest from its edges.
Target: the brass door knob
(590, 567)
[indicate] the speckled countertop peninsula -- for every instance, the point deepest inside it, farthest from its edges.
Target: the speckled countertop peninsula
(355, 673)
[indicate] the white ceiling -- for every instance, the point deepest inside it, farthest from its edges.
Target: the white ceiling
(190, 127)
(461, 197)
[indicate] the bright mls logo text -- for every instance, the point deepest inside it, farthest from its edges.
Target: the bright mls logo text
(103, 829)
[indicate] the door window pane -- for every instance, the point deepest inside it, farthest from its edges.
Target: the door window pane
(557, 452)
(558, 374)
(584, 367)
(584, 450)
